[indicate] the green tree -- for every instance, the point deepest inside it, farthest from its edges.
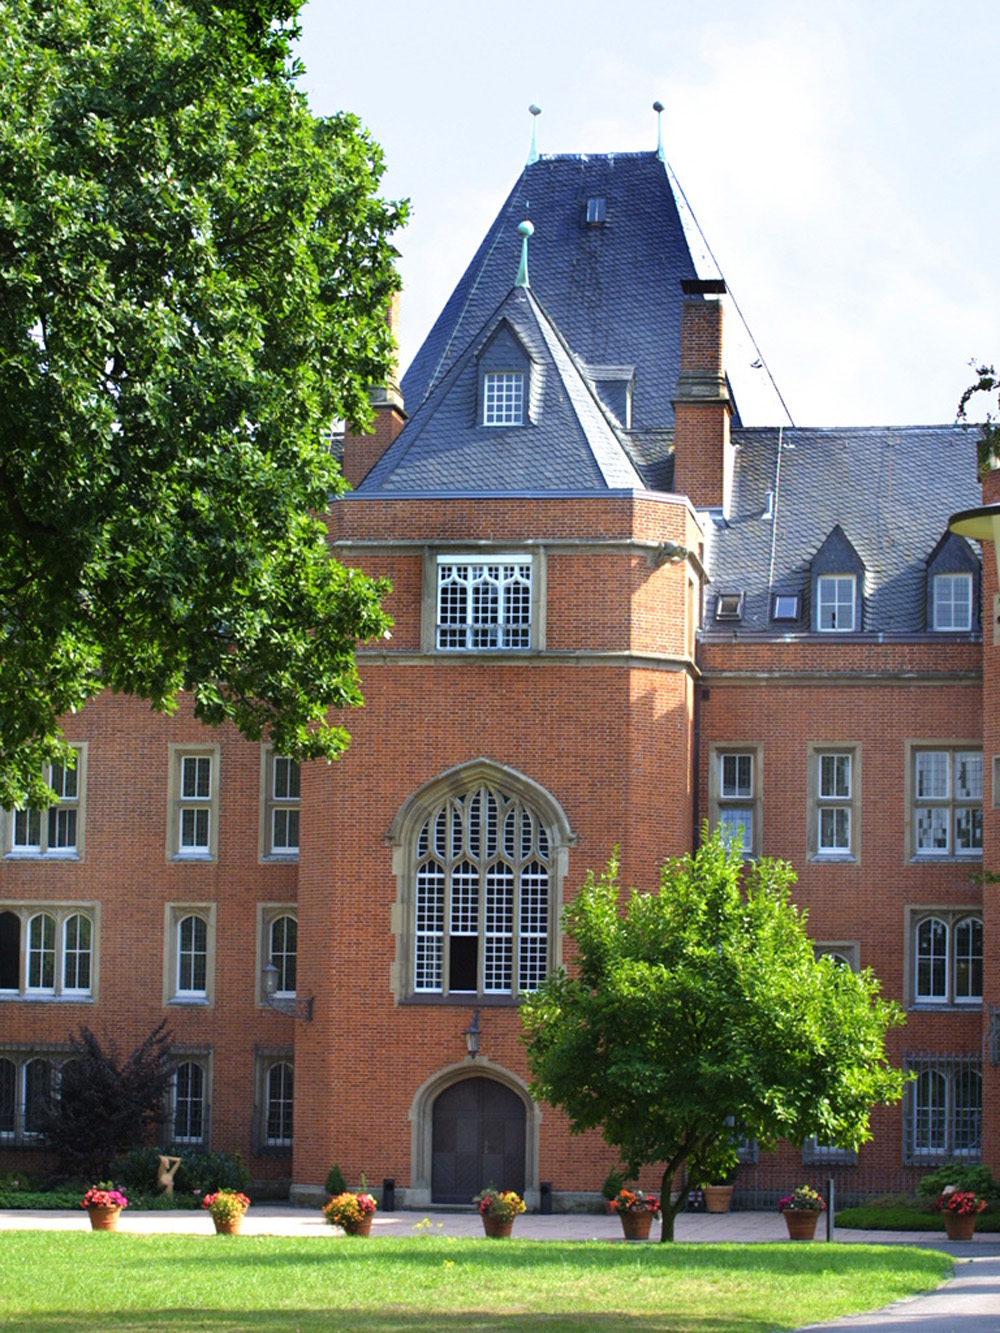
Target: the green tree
(988, 444)
(194, 279)
(105, 1105)
(701, 1012)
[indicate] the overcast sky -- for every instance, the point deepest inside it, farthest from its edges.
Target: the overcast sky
(841, 160)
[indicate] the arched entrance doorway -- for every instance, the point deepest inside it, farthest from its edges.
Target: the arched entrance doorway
(478, 1139)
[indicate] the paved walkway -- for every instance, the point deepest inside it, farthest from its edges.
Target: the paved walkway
(970, 1303)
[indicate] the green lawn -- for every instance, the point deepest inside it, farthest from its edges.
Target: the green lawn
(901, 1217)
(58, 1282)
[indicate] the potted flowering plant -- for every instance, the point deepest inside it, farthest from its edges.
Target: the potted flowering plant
(498, 1208)
(801, 1210)
(637, 1211)
(226, 1209)
(104, 1204)
(353, 1212)
(959, 1208)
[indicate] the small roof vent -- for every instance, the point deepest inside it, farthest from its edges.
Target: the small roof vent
(729, 606)
(596, 210)
(785, 606)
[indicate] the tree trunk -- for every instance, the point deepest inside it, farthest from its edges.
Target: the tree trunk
(668, 1209)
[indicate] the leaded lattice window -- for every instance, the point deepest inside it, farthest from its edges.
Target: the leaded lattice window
(503, 398)
(482, 900)
(943, 1108)
(484, 603)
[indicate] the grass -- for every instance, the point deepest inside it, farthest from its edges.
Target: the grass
(58, 1282)
(906, 1217)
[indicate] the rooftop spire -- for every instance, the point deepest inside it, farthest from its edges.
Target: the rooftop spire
(658, 108)
(536, 111)
(524, 231)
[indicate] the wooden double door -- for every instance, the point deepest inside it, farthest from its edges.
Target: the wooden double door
(478, 1140)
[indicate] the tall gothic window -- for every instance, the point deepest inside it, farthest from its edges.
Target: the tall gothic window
(482, 897)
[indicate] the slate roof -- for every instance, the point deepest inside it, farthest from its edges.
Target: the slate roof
(613, 289)
(891, 489)
(569, 443)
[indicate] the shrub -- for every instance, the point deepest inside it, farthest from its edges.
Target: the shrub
(613, 1182)
(137, 1171)
(107, 1103)
(207, 1172)
(335, 1182)
(969, 1179)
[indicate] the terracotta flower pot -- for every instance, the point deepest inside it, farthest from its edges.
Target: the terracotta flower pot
(801, 1222)
(636, 1225)
(495, 1228)
(960, 1226)
(103, 1218)
(228, 1227)
(360, 1228)
(718, 1198)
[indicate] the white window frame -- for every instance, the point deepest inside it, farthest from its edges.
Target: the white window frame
(941, 975)
(279, 1104)
(280, 806)
(735, 793)
(191, 804)
(939, 1123)
(55, 833)
(483, 919)
(191, 1061)
(484, 603)
(836, 603)
(834, 794)
(503, 398)
(282, 951)
(57, 979)
(946, 801)
(951, 613)
(176, 938)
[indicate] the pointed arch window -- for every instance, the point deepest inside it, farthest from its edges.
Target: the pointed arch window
(482, 909)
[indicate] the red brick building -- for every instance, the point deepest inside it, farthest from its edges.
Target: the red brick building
(618, 613)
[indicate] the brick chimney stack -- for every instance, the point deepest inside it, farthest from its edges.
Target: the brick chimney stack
(362, 452)
(703, 453)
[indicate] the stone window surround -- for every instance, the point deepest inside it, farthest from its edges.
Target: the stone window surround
(403, 836)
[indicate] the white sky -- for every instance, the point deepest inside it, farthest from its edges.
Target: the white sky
(842, 161)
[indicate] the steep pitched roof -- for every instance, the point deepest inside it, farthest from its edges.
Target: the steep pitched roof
(567, 443)
(612, 288)
(890, 489)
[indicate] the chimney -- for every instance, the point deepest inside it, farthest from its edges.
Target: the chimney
(703, 453)
(362, 452)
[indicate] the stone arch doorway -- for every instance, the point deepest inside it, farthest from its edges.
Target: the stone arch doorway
(478, 1138)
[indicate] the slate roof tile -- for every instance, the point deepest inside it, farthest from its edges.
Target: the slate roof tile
(569, 444)
(891, 489)
(586, 276)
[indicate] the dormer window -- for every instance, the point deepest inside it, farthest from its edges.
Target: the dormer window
(952, 601)
(503, 398)
(835, 603)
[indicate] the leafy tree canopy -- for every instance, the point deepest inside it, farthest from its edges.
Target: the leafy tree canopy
(700, 1014)
(194, 278)
(106, 1104)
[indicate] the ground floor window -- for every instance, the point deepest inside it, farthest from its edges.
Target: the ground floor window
(189, 1100)
(29, 1080)
(274, 1101)
(943, 1109)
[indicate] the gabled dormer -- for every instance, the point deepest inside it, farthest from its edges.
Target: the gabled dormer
(836, 585)
(953, 587)
(615, 386)
(508, 381)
